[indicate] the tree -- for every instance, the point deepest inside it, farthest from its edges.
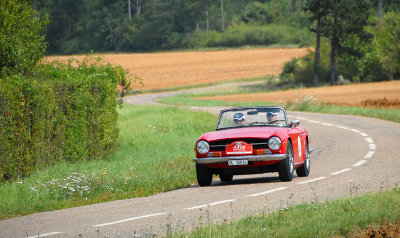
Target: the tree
(22, 36)
(318, 11)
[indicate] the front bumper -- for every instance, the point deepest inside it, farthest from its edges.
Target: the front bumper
(213, 160)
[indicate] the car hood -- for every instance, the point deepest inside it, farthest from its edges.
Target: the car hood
(244, 132)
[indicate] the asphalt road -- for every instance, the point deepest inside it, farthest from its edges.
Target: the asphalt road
(352, 155)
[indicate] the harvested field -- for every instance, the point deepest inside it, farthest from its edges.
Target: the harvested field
(173, 69)
(376, 94)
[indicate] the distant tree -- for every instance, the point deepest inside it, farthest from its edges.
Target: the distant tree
(318, 10)
(22, 39)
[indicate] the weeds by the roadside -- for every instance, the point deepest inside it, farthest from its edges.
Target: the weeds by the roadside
(339, 217)
(154, 155)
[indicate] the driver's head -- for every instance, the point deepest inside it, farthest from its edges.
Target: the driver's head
(272, 116)
(239, 118)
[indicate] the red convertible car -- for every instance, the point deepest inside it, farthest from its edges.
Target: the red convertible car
(253, 140)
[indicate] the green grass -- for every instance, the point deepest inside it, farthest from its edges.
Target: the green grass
(154, 155)
(337, 218)
(305, 105)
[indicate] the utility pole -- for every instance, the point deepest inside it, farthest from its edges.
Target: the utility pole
(222, 15)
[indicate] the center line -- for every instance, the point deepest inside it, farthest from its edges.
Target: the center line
(211, 204)
(43, 235)
(220, 202)
(369, 154)
(312, 180)
(359, 163)
(342, 127)
(341, 171)
(369, 140)
(372, 146)
(130, 219)
(266, 192)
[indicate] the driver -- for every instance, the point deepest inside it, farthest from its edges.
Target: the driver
(272, 117)
(239, 119)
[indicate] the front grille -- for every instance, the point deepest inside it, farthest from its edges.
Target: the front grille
(220, 145)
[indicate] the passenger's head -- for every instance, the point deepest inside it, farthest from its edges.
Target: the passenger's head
(239, 119)
(272, 116)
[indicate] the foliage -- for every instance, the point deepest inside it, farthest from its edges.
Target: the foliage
(136, 169)
(58, 112)
(22, 42)
(382, 57)
(99, 25)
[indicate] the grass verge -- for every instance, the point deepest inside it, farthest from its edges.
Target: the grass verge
(303, 105)
(151, 140)
(344, 217)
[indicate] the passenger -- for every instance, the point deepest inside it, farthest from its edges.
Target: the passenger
(239, 119)
(272, 117)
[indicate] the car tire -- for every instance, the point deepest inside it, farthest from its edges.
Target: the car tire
(226, 177)
(304, 170)
(286, 166)
(204, 175)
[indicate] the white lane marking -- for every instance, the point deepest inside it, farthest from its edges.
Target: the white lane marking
(326, 124)
(359, 163)
(341, 171)
(342, 127)
(314, 121)
(301, 118)
(312, 180)
(211, 204)
(372, 146)
(266, 192)
(363, 134)
(369, 154)
(220, 202)
(369, 140)
(130, 219)
(354, 130)
(43, 235)
(197, 207)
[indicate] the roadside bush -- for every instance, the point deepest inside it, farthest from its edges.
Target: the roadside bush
(58, 112)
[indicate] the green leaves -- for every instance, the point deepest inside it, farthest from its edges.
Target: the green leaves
(22, 42)
(59, 112)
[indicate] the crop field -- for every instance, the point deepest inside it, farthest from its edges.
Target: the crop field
(175, 69)
(377, 94)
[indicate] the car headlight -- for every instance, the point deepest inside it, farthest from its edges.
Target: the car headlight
(203, 147)
(274, 143)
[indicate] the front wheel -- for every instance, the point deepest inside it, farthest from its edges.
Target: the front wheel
(286, 166)
(304, 170)
(204, 175)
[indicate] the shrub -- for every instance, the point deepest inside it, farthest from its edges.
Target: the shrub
(58, 112)
(22, 42)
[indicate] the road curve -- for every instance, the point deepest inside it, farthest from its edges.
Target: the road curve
(352, 155)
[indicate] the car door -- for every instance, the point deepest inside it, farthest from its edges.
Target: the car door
(296, 135)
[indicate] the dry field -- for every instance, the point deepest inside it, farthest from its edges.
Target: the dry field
(377, 94)
(172, 69)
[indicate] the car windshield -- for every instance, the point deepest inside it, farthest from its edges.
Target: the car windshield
(244, 117)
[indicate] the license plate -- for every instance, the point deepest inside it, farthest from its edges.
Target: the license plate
(238, 162)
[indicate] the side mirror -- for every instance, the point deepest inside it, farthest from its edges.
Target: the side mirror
(294, 123)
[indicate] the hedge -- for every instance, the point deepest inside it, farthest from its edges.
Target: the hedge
(59, 112)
